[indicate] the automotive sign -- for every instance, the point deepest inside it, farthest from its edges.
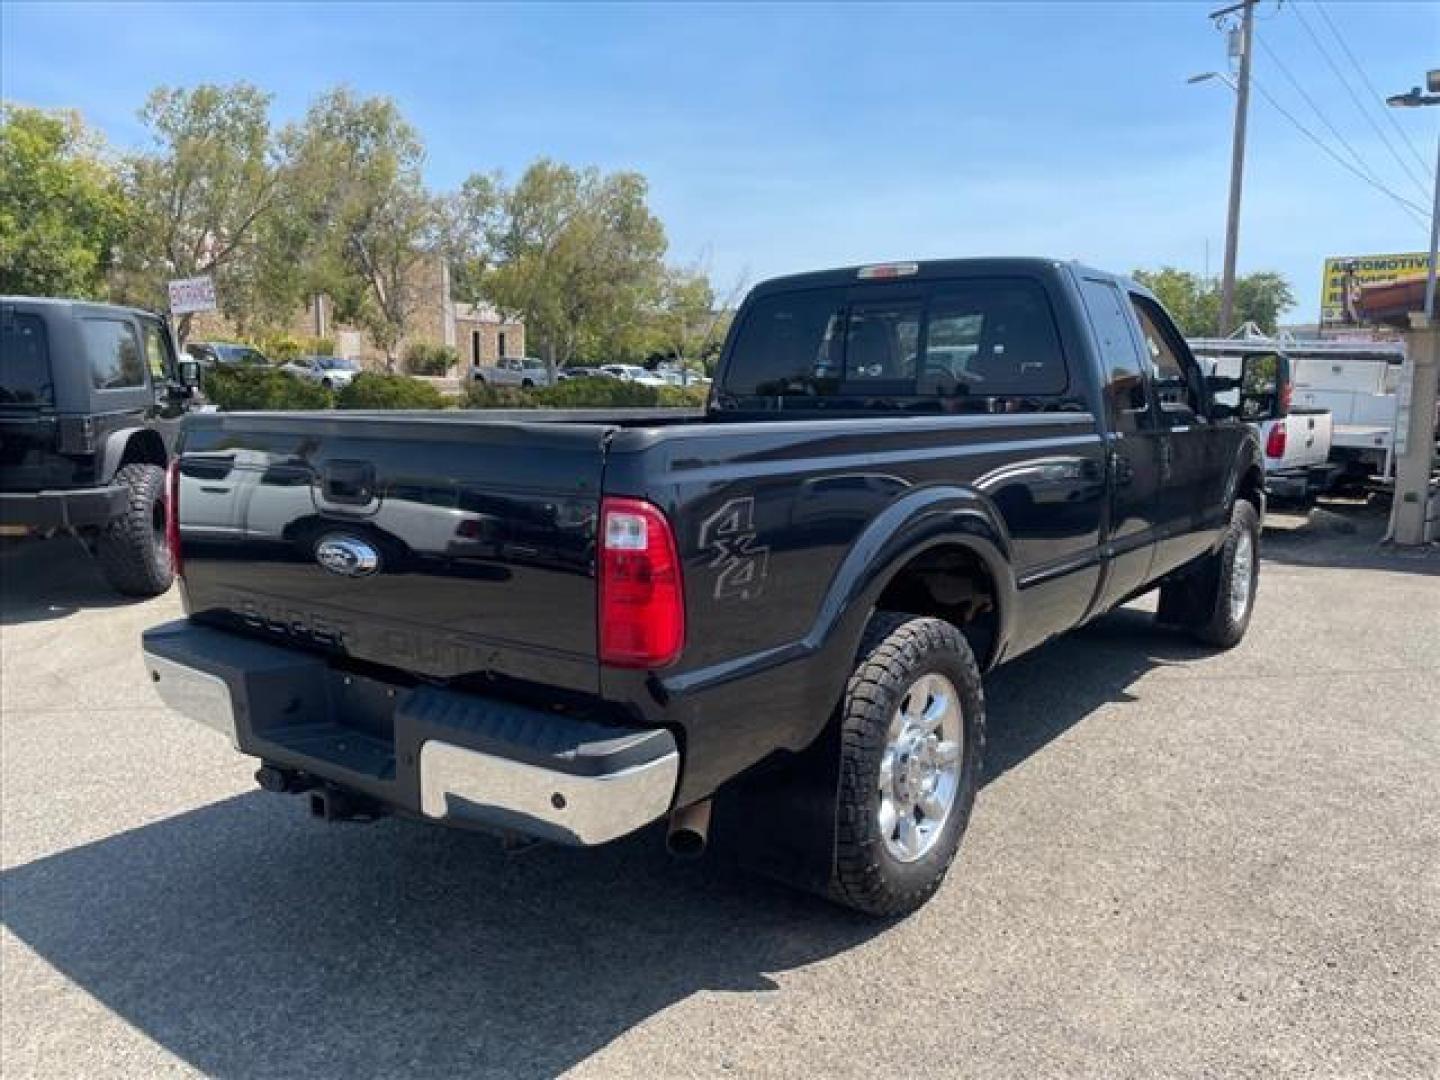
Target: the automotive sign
(192, 294)
(1344, 274)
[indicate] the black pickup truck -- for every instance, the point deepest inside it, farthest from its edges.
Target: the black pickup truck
(779, 608)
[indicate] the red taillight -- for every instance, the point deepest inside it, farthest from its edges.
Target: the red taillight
(172, 513)
(642, 597)
(1275, 441)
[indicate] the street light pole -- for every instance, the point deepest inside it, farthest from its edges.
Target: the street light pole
(1237, 162)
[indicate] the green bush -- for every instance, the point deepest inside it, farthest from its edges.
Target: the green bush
(424, 359)
(596, 393)
(478, 395)
(282, 348)
(684, 397)
(592, 393)
(233, 389)
(371, 390)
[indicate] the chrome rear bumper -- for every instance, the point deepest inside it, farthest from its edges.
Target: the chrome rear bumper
(452, 758)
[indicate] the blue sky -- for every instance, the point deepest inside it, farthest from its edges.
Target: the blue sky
(782, 138)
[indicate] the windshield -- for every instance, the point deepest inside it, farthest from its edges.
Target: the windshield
(24, 362)
(336, 363)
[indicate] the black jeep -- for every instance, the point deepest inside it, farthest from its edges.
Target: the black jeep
(91, 397)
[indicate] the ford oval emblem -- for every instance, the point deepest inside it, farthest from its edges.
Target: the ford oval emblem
(348, 556)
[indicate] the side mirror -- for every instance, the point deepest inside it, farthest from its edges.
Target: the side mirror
(1265, 387)
(189, 373)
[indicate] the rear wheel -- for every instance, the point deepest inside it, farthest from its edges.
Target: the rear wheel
(912, 736)
(131, 549)
(1214, 602)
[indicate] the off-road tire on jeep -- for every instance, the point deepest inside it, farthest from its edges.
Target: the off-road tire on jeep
(1200, 602)
(896, 653)
(131, 548)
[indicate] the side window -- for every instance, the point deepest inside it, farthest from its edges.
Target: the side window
(114, 352)
(992, 339)
(24, 361)
(157, 353)
(1123, 367)
(1176, 387)
(788, 345)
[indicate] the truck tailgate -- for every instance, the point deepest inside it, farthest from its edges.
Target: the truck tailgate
(447, 545)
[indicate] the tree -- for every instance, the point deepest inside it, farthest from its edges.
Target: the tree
(1194, 303)
(575, 253)
(201, 196)
(371, 225)
(61, 208)
(690, 320)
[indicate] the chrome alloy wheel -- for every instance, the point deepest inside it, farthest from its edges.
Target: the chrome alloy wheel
(1242, 576)
(920, 769)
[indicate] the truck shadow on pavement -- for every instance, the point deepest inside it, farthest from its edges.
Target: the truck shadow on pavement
(50, 579)
(246, 938)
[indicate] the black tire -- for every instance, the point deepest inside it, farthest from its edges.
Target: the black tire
(131, 549)
(528, 384)
(1200, 602)
(897, 651)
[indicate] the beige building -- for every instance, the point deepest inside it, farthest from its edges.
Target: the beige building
(476, 332)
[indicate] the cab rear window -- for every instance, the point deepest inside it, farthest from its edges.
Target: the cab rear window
(24, 361)
(956, 347)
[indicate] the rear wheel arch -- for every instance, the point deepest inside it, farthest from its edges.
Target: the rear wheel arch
(916, 535)
(133, 446)
(951, 580)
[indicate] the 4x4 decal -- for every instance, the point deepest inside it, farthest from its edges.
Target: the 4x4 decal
(729, 537)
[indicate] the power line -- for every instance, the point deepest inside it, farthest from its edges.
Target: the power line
(1416, 211)
(1320, 46)
(1300, 89)
(1375, 94)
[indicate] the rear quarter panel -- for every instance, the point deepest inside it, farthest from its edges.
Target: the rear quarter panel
(789, 530)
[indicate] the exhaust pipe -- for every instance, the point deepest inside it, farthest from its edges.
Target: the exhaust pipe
(689, 830)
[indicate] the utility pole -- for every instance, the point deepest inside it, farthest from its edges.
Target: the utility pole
(1237, 159)
(1415, 510)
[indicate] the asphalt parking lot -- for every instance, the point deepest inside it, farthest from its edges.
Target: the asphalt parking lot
(1181, 864)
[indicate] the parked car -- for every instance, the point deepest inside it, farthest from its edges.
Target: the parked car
(91, 397)
(684, 377)
(226, 354)
(331, 372)
(579, 372)
(776, 612)
(633, 373)
(526, 371)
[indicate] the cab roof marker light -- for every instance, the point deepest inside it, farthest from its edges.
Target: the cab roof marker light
(881, 271)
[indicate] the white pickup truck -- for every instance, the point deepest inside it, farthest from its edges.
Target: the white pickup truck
(1297, 446)
(523, 371)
